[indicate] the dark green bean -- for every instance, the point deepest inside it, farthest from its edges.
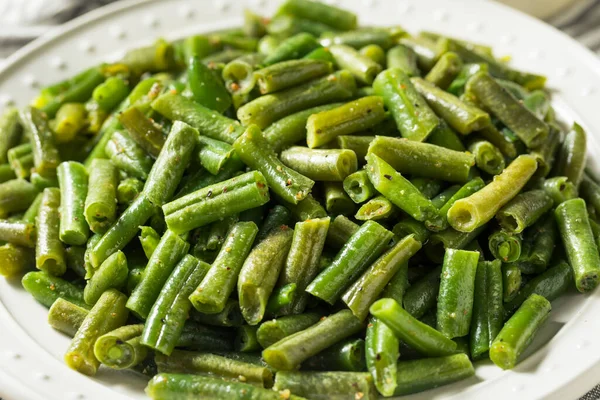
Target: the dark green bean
(488, 310)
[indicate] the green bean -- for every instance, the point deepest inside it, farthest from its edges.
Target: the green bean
(498, 139)
(73, 181)
(512, 280)
(471, 212)
(373, 52)
(49, 250)
(45, 153)
(128, 190)
(321, 54)
(505, 245)
(214, 154)
(128, 156)
(46, 289)
(418, 375)
(546, 152)
(416, 334)
(283, 75)
(488, 310)
(281, 297)
(19, 233)
(289, 352)
(41, 182)
(277, 216)
(203, 178)
(444, 136)
(66, 317)
(149, 239)
(327, 385)
(216, 201)
(340, 231)
(457, 288)
(156, 58)
(466, 190)
(448, 239)
(78, 90)
(284, 25)
(425, 50)
(10, 132)
(230, 316)
(358, 186)
(519, 330)
(166, 319)
(320, 165)
(538, 103)
(375, 209)
(69, 121)
(245, 339)
(196, 336)
(410, 226)
(363, 68)
(7, 173)
(589, 191)
(287, 183)
(329, 15)
(422, 295)
(423, 159)
(364, 291)
(122, 231)
(121, 348)
(75, 259)
(269, 108)
(223, 57)
(488, 157)
(457, 86)
(399, 190)
(402, 57)
(571, 157)
(292, 48)
(361, 249)
(171, 163)
(538, 245)
(134, 277)
(260, 272)
(513, 114)
(208, 122)
(147, 134)
(212, 292)
(112, 274)
(445, 70)
(382, 353)
(362, 37)
(14, 260)
(206, 89)
(271, 332)
(110, 93)
(348, 355)
(291, 129)
(168, 253)
(523, 210)
(21, 160)
(336, 200)
(100, 207)
(579, 244)
(414, 118)
(356, 116)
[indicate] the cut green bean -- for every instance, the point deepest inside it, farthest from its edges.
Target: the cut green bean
(524, 210)
(414, 118)
(245, 339)
(448, 239)
(472, 212)
(66, 317)
(488, 157)
(488, 310)
(327, 385)
(128, 156)
(329, 15)
(336, 200)
(292, 48)
(73, 182)
(512, 280)
(403, 58)
(416, 334)
(421, 296)
(21, 160)
(45, 153)
(361, 249)
(206, 88)
(277, 216)
(121, 348)
(15, 260)
(168, 253)
(271, 332)
(108, 314)
(571, 157)
(100, 206)
(375, 209)
(212, 292)
(263, 111)
(519, 330)
(505, 245)
(112, 274)
(358, 186)
(147, 134)
(286, 74)
(363, 68)
(10, 132)
(579, 244)
(49, 251)
(340, 231)
(46, 289)
(260, 272)
(320, 165)
(19, 233)
(16, 195)
(445, 70)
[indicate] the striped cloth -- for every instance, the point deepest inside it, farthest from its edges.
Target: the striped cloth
(21, 21)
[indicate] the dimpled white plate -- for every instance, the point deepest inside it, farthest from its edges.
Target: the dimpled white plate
(562, 363)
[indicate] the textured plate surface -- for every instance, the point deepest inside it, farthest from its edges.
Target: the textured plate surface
(565, 363)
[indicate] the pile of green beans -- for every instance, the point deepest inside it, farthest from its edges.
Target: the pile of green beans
(300, 208)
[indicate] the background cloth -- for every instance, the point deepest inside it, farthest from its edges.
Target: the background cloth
(21, 21)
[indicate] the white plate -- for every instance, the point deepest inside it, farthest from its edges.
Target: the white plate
(565, 363)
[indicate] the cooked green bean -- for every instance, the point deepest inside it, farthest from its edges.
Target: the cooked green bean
(375, 209)
(444, 136)
(128, 156)
(503, 105)
(523, 210)
(288, 353)
(361, 249)
(245, 339)
(416, 334)
(21, 160)
(445, 70)
(46, 289)
(121, 348)
(488, 157)
(402, 57)
(363, 68)
(277, 216)
(45, 153)
(421, 296)
(571, 157)
(216, 201)
(170, 250)
(260, 272)
(10, 132)
(414, 118)
(287, 183)
(366, 289)
(100, 206)
(425, 50)
(579, 244)
(423, 159)
(340, 231)
(519, 330)
(49, 251)
(466, 190)
(348, 355)
(285, 25)
(356, 116)
(505, 245)
(271, 332)
(457, 288)
(167, 317)
(474, 211)
(108, 314)
(292, 48)
(281, 297)
(66, 317)
(418, 375)
(336, 200)
(206, 88)
(327, 385)
(112, 274)
(15, 260)
(358, 186)
(147, 134)
(73, 182)
(512, 280)
(320, 164)
(211, 294)
(19, 233)
(287, 74)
